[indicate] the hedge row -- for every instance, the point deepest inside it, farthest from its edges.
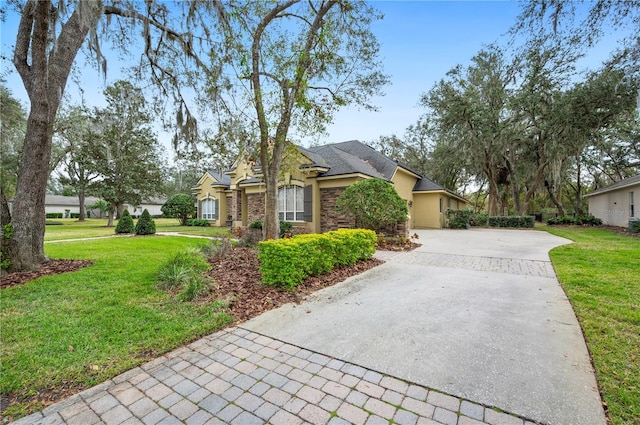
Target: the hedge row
(579, 220)
(287, 262)
(511, 221)
(53, 215)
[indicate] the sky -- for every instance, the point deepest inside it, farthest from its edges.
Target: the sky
(420, 42)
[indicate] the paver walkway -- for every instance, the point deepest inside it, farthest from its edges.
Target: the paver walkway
(240, 377)
(476, 314)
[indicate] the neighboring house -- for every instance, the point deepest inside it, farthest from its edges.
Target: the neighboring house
(617, 203)
(67, 205)
(153, 205)
(310, 185)
(70, 204)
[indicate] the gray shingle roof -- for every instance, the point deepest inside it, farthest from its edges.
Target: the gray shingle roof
(223, 179)
(425, 184)
(617, 185)
(342, 162)
(383, 165)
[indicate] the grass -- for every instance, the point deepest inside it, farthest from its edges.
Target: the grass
(73, 229)
(600, 273)
(79, 329)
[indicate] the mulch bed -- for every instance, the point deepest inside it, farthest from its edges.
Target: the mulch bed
(51, 267)
(236, 277)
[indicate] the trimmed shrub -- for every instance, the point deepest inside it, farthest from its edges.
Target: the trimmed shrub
(588, 220)
(581, 220)
(125, 224)
(256, 225)
(198, 222)
(53, 215)
(74, 215)
(458, 219)
(517, 221)
(563, 219)
(634, 226)
(479, 219)
(145, 224)
(180, 206)
(287, 262)
(374, 203)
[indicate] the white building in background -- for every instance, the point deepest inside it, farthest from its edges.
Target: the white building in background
(617, 203)
(67, 205)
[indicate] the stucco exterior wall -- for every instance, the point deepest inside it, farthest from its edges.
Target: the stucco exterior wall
(404, 183)
(426, 210)
(614, 207)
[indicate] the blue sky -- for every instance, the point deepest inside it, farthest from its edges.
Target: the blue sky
(420, 42)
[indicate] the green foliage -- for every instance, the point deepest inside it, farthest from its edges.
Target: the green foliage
(256, 225)
(7, 233)
(581, 220)
(374, 203)
(287, 262)
(125, 224)
(516, 221)
(459, 219)
(184, 273)
(100, 205)
(145, 224)
(198, 222)
(53, 215)
(285, 228)
(143, 322)
(634, 226)
(479, 219)
(13, 121)
(180, 206)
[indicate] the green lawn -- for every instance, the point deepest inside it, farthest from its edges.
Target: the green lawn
(73, 229)
(81, 328)
(600, 273)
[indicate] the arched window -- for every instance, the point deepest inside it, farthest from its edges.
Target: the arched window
(291, 203)
(209, 209)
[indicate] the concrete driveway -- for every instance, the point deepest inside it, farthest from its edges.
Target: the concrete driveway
(478, 314)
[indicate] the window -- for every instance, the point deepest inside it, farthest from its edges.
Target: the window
(632, 211)
(209, 210)
(291, 203)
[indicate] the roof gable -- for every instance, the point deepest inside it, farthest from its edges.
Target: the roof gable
(630, 181)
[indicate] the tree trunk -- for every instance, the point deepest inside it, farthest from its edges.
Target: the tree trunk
(554, 199)
(271, 225)
(579, 205)
(44, 71)
(112, 209)
(81, 203)
(28, 204)
(494, 195)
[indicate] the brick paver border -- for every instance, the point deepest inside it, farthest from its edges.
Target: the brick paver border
(240, 377)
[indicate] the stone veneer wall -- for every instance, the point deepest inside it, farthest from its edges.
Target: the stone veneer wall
(330, 219)
(255, 207)
(229, 208)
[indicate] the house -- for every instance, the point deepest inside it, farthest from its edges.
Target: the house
(616, 204)
(311, 182)
(67, 205)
